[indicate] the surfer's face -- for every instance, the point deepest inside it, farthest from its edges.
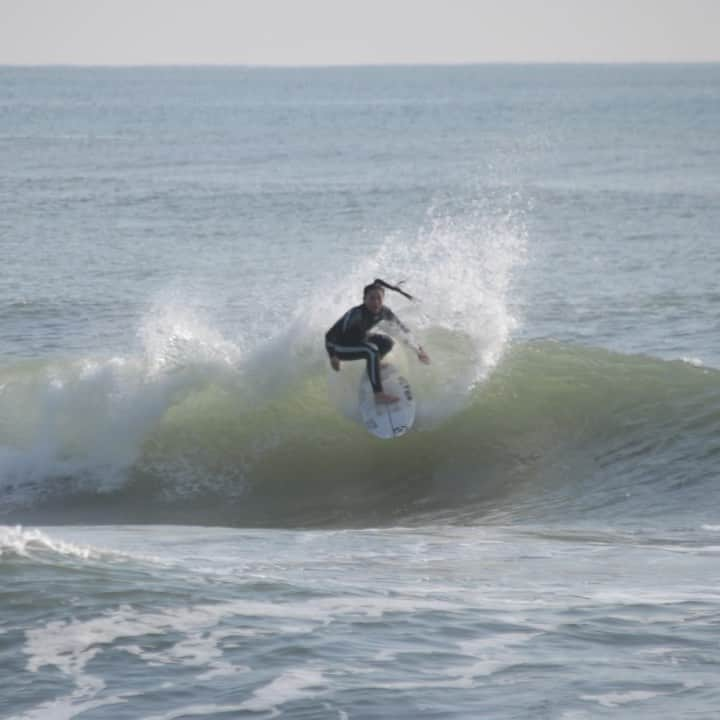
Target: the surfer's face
(374, 301)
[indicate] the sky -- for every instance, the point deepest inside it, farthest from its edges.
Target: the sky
(356, 32)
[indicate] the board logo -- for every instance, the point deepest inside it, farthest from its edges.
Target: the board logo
(406, 388)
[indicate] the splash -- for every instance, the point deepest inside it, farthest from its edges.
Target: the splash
(83, 424)
(461, 265)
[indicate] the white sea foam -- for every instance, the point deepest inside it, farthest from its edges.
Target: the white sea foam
(494, 643)
(615, 699)
(175, 334)
(71, 645)
(291, 685)
(41, 545)
(85, 422)
(201, 644)
(18, 541)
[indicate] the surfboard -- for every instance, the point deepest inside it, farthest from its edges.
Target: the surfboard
(387, 420)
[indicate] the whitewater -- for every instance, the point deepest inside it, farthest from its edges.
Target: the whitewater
(193, 522)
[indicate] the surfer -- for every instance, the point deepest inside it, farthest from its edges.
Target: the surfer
(348, 338)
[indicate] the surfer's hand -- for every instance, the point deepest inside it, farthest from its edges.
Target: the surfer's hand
(423, 357)
(335, 363)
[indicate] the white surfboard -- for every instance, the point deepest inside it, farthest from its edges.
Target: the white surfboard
(388, 420)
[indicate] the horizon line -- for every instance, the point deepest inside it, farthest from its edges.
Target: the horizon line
(349, 65)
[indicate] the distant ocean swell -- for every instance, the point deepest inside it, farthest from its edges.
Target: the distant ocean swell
(555, 431)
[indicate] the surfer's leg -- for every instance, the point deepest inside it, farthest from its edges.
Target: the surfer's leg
(383, 342)
(384, 345)
(373, 366)
(367, 351)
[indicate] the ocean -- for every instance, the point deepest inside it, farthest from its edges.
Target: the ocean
(194, 524)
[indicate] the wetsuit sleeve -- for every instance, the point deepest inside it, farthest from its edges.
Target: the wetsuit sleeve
(348, 330)
(332, 336)
(405, 335)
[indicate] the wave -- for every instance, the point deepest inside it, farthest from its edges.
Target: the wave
(552, 431)
(195, 428)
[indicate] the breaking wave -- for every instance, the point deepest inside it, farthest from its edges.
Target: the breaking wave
(553, 429)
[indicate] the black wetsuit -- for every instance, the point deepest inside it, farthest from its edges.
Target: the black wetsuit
(348, 339)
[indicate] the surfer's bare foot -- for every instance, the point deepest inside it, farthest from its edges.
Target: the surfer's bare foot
(385, 398)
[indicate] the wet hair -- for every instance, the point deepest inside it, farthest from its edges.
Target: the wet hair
(378, 284)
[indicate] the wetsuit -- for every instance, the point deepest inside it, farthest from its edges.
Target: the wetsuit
(348, 339)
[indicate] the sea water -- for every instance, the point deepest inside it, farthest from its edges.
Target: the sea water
(192, 522)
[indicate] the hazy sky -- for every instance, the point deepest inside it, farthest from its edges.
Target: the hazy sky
(332, 32)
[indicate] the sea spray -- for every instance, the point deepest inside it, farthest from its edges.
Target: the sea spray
(461, 266)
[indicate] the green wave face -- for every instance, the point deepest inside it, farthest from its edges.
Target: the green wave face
(554, 431)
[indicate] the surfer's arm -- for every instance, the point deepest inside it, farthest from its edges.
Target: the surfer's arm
(405, 336)
(339, 334)
(331, 339)
(348, 330)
